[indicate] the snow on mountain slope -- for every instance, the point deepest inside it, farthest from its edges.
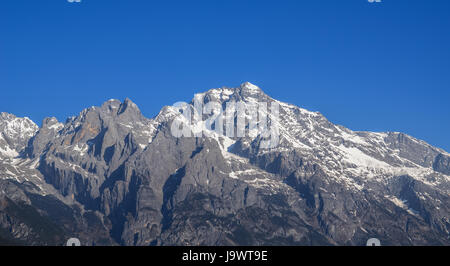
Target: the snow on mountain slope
(135, 172)
(14, 134)
(344, 154)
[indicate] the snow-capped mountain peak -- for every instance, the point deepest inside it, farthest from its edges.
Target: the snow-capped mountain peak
(15, 133)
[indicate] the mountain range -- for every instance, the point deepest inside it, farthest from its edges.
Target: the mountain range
(111, 176)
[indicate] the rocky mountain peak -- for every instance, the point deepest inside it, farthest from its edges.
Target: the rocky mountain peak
(129, 107)
(14, 123)
(15, 133)
(249, 89)
(111, 105)
(6, 116)
(246, 92)
(51, 123)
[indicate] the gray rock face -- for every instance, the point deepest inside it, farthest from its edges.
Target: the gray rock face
(133, 183)
(442, 164)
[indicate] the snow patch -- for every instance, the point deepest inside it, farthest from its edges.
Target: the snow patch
(402, 204)
(81, 150)
(356, 156)
(8, 152)
(251, 88)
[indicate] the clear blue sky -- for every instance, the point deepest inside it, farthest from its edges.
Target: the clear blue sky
(378, 67)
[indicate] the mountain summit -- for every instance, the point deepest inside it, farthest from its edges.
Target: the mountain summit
(112, 176)
(14, 134)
